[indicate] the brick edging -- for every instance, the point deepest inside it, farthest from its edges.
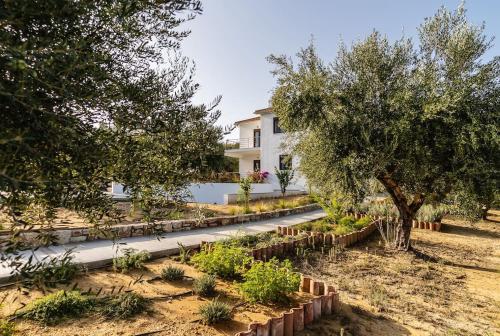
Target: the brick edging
(326, 301)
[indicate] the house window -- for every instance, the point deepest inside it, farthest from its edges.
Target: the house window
(276, 126)
(285, 162)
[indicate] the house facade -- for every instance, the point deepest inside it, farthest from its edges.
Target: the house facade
(259, 148)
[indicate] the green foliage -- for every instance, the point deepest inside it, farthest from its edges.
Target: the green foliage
(130, 260)
(204, 285)
(334, 206)
(269, 281)
(244, 193)
(215, 311)
(172, 273)
(318, 226)
(49, 271)
(383, 209)
(222, 260)
(51, 308)
(285, 177)
(124, 305)
(410, 109)
(94, 92)
(430, 213)
(184, 253)
(7, 328)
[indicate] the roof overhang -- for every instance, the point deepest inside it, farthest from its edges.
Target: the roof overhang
(264, 111)
(246, 120)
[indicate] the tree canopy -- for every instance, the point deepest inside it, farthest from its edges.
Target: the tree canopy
(421, 120)
(93, 92)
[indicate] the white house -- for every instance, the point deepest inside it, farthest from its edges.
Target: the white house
(258, 148)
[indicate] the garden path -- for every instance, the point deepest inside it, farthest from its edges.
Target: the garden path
(98, 253)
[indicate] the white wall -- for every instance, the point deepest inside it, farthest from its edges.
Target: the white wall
(246, 132)
(213, 193)
(271, 150)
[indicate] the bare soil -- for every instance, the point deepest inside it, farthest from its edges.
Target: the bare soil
(450, 285)
(169, 316)
(66, 218)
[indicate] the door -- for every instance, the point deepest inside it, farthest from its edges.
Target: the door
(256, 165)
(256, 137)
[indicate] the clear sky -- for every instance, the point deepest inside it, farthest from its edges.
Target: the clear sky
(232, 38)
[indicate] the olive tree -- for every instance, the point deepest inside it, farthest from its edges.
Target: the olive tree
(93, 92)
(422, 121)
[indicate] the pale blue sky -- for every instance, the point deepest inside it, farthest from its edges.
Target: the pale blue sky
(232, 38)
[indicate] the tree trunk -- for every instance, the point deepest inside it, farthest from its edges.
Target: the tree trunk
(406, 211)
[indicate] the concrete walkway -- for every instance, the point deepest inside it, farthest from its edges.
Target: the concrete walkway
(99, 253)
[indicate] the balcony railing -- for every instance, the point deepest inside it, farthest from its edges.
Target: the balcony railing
(253, 142)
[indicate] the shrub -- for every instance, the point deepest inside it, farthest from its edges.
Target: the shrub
(205, 285)
(269, 281)
(244, 193)
(341, 230)
(123, 305)
(51, 308)
(172, 273)
(347, 221)
(261, 208)
(130, 260)
(362, 222)
(50, 271)
(215, 311)
(224, 261)
(7, 328)
(429, 213)
(318, 226)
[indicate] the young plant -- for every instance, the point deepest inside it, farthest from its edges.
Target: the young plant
(205, 285)
(50, 271)
(130, 260)
(172, 273)
(51, 308)
(7, 328)
(244, 193)
(215, 311)
(184, 253)
(285, 178)
(224, 261)
(269, 281)
(124, 305)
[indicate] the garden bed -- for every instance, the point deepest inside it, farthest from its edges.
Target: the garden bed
(172, 306)
(178, 316)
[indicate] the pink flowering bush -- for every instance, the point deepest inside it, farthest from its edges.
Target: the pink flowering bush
(258, 176)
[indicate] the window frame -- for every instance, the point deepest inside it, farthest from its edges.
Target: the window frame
(276, 127)
(285, 165)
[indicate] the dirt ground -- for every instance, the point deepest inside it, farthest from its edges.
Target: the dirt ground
(66, 218)
(450, 286)
(170, 316)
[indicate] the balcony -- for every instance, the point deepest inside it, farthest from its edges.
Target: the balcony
(242, 147)
(242, 143)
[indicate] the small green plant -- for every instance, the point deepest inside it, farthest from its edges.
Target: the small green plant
(184, 253)
(269, 281)
(261, 208)
(244, 193)
(124, 305)
(172, 273)
(7, 328)
(285, 178)
(205, 285)
(222, 260)
(51, 308)
(50, 271)
(318, 226)
(131, 259)
(175, 215)
(377, 296)
(215, 311)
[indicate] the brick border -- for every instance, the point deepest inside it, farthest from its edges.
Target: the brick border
(326, 301)
(81, 234)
